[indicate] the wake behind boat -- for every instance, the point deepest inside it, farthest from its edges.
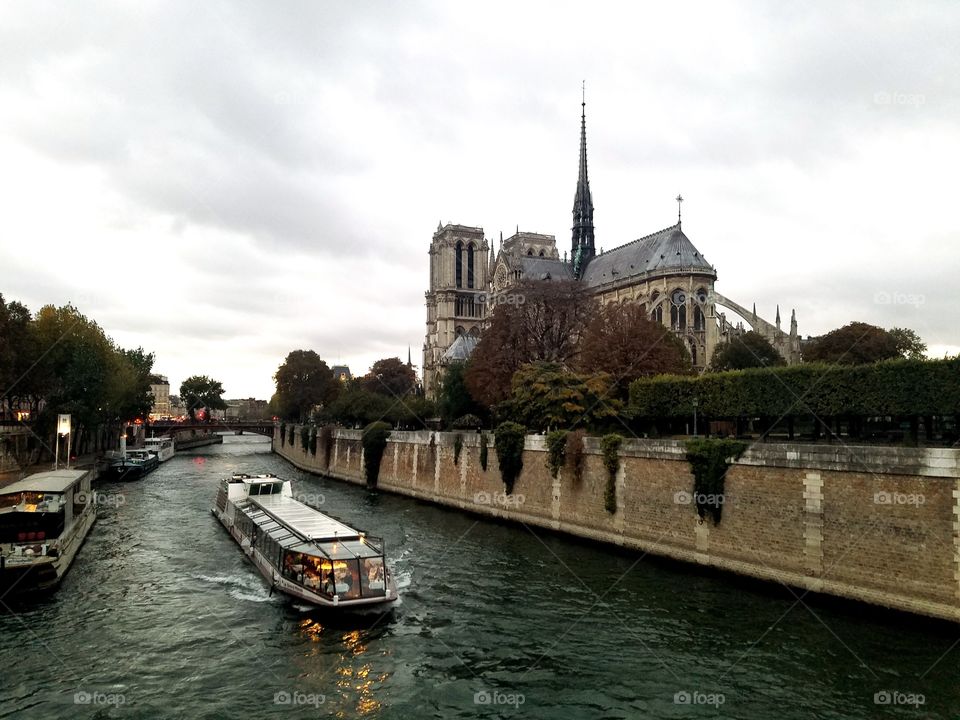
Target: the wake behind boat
(304, 553)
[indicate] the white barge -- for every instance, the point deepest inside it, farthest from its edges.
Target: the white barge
(302, 552)
(44, 520)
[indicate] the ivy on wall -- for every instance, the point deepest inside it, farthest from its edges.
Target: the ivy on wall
(326, 441)
(710, 459)
(304, 437)
(556, 449)
(374, 441)
(457, 447)
(508, 441)
(313, 440)
(283, 433)
(610, 449)
(483, 451)
(575, 454)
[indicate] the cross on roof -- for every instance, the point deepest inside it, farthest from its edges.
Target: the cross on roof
(679, 200)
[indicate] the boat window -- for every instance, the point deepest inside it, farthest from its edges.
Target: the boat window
(372, 576)
(361, 549)
(10, 500)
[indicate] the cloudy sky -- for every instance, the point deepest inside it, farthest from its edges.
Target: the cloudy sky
(222, 183)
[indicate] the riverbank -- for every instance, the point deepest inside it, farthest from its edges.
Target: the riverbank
(872, 524)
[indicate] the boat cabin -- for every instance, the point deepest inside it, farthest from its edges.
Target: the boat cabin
(35, 511)
(306, 546)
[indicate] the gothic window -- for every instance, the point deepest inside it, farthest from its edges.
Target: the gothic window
(470, 266)
(657, 314)
(698, 321)
(541, 253)
(460, 331)
(500, 279)
(693, 352)
(459, 253)
(530, 252)
(475, 331)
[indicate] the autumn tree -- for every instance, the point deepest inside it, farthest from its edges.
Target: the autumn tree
(391, 377)
(202, 392)
(546, 395)
(854, 344)
(622, 341)
(303, 382)
(748, 350)
(534, 321)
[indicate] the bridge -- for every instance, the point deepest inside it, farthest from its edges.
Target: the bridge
(238, 427)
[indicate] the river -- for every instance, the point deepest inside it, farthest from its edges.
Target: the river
(162, 616)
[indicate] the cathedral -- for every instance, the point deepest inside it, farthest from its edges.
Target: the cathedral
(663, 271)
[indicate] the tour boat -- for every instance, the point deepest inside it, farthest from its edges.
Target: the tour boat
(44, 520)
(162, 447)
(310, 556)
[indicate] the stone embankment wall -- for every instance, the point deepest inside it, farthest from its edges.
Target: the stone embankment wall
(875, 524)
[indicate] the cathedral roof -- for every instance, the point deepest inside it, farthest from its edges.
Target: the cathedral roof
(461, 350)
(542, 268)
(663, 251)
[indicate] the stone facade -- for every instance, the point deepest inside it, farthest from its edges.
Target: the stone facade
(871, 524)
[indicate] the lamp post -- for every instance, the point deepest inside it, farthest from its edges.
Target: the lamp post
(695, 403)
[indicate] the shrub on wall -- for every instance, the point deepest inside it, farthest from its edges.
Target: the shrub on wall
(710, 460)
(483, 451)
(283, 433)
(457, 447)
(575, 454)
(374, 441)
(556, 449)
(313, 440)
(290, 437)
(610, 447)
(326, 441)
(304, 437)
(508, 440)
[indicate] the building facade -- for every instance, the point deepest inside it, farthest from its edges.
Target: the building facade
(663, 271)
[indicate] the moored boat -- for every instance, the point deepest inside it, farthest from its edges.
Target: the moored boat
(131, 465)
(161, 446)
(304, 553)
(44, 520)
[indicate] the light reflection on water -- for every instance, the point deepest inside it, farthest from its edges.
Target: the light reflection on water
(163, 609)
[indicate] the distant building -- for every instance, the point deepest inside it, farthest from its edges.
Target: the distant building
(160, 388)
(247, 409)
(342, 373)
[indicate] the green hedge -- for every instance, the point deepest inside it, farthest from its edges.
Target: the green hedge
(892, 387)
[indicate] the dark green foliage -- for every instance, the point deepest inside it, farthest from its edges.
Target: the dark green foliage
(290, 437)
(326, 441)
(556, 448)
(575, 454)
(454, 399)
(483, 451)
(304, 437)
(892, 387)
(710, 460)
(509, 439)
(200, 392)
(374, 441)
(457, 447)
(468, 422)
(854, 344)
(610, 447)
(283, 434)
(313, 440)
(303, 382)
(749, 350)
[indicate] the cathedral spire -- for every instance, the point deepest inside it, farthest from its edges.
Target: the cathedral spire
(582, 244)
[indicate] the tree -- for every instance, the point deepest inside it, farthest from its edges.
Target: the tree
(455, 399)
(751, 349)
(303, 382)
(199, 391)
(545, 396)
(16, 352)
(854, 344)
(622, 341)
(909, 344)
(391, 377)
(534, 321)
